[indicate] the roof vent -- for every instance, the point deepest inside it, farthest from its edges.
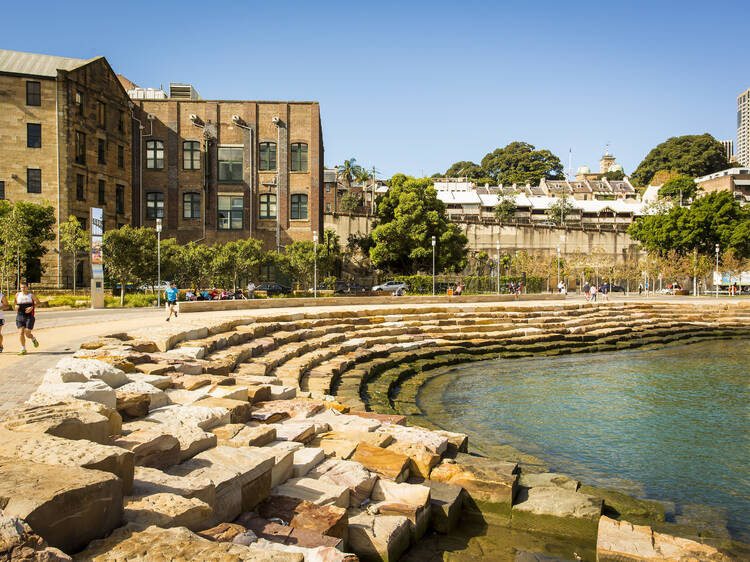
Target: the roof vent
(182, 92)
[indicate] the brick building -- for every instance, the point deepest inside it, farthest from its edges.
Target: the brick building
(735, 180)
(221, 170)
(65, 140)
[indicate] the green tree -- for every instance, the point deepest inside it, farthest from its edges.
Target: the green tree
(408, 216)
(505, 210)
(714, 219)
(559, 211)
(191, 264)
(130, 256)
(521, 163)
(350, 201)
(236, 260)
(464, 169)
(680, 188)
(690, 155)
(27, 227)
(14, 235)
(75, 241)
(299, 261)
(615, 175)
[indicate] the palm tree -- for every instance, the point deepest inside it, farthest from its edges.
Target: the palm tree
(348, 171)
(362, 175)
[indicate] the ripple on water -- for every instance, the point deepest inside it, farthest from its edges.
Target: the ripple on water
(671, 424)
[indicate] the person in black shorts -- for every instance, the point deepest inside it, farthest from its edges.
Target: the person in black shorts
(25, 303)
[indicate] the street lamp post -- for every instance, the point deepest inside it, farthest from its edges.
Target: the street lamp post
(716, 281)
(158, 262)
(558, 268)
(434, 241)
(498, 267)
(315, 266)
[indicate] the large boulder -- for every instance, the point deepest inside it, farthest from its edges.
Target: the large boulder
(353, 475)
(200, 416)
(47, 449)
(148, 481)
(165, 545)
(621, 541)
(92, 370)
(167, 510)
(67, 506)
(158, 398)
(384, 462)
(75, 419)
(152, 447)
(378, 537)
(94, 391)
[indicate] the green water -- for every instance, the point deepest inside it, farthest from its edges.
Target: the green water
(671, 424)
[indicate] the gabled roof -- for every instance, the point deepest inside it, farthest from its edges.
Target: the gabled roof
(16, 62)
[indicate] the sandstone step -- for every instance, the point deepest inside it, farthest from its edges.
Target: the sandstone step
(299, 514)
(319, 492)
(288, 535)
(167, 510)
(378, 537)
(149, 481)
(557, 511)
(305, 459)
(383, 462)
(446, 501)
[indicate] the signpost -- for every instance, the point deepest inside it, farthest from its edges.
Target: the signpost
(96, 221)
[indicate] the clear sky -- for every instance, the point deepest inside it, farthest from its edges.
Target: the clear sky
(413, 86)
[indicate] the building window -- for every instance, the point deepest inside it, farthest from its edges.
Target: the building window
(33, 93)
(2, 190)
(101, 151)
(154, 205)
(267, 156)
(121, 121)
(80, 187)
(191, 155)
(328, 207)
(155, 155)
(328, 188)
(268, 206)
(33, 135)
(230, 164)
(120, 200)
(299, 207)
(80, 146)
(299, 157)
(102, 193)
(120, 156)
(101, 114)
(191, 205)
(33, 180)
(231, 210)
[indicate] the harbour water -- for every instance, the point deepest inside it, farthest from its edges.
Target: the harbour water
(670, 424)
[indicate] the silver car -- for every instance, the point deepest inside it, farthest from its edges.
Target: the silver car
(390, 286)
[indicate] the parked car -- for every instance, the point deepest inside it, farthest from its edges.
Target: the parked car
(390, 286)
(613, 289)
(274, 289)
(354, 288)
(158, 288)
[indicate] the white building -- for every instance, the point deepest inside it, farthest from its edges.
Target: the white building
(743, 128)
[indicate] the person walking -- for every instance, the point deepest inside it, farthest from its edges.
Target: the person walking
(640, 289)
(3, 307)
(594, 290)
(587, 290)
(25, 303)
(171, 296)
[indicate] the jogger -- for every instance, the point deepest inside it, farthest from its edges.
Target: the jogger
(171, 295)
(25, 303)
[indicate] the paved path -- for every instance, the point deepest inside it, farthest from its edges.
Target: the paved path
(60, 333)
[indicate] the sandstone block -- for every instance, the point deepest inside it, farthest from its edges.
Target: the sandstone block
(223, 532)
(201, 416)
(94, 391)
(258, 393)
(431, 441)
(446, 501)
(319, 492)
(409, 500)
(18, 542)
(383, 418)
(376, 439)
(162, 545)
(294, 408)
(305, 459)
(67, 506)
(326, 520)
(152, 448)
(185, 397)
(167, 510)
(154, 368)
(239, 410)
(132, 405)
(457, 442)
(337, 448)
(381, 537)
(385, 463)
(353, 475)
(317, 554)
(93, 370)
(158, 397)
(422, 460)
(253, 436)
(190, 382)
(295, 430)
(621, 541)
(283, 452)
(557, 511)
(286, 534)
(150, 481)
(230, 392)
(548, 480)
(76, 419)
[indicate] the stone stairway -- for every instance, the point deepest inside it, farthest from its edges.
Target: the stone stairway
(287, 439)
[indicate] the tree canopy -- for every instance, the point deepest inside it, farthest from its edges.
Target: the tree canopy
(24, 229)
(714, 219)
(680, 188)
(408, 216)
(75, 241)
(129, 255)
(690, 155)
(465, 169)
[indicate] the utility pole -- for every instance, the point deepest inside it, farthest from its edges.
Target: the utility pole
(158, 262)
(434, 241)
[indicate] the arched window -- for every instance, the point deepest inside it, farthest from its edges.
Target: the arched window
(155, 155)
(267, 156)
(191, 155)
(268, 206)
(299, 206)
(299, 157)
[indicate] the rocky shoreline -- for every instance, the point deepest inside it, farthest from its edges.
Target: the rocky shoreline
(298, 438)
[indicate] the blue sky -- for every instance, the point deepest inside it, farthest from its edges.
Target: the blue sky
(412, 86)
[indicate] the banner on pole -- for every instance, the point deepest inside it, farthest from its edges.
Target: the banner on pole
(97, 237)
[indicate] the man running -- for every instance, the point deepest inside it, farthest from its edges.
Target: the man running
(25, 302)
(3, 307)
(171, 295)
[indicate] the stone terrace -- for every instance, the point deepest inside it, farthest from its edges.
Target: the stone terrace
(287, 438)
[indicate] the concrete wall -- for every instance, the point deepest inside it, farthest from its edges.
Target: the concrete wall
(513, 238)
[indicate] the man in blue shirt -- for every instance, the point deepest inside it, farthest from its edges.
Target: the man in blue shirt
(171, 295)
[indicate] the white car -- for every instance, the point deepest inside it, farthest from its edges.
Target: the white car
(390, 286)
(147, 288)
